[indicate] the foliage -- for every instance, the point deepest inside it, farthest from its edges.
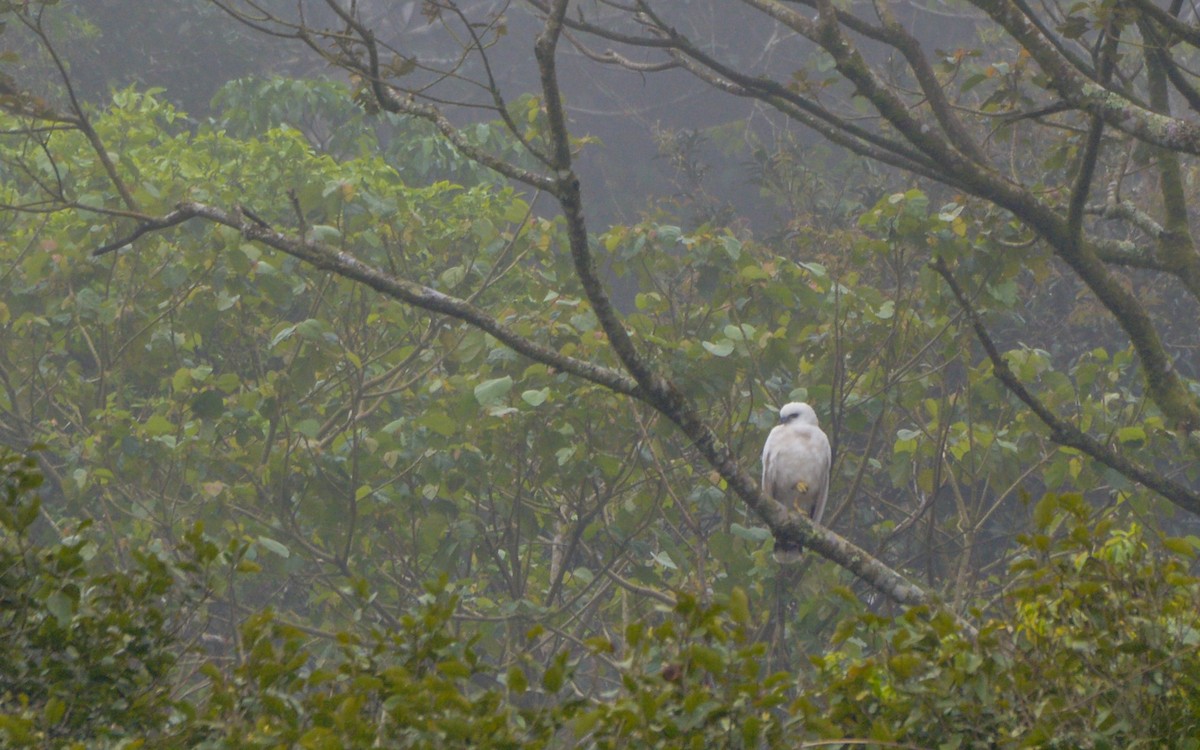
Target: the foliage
(85, 652)
(1091, 644)
(281, 459)
(415, 686)
(342, 445)
(336, 124)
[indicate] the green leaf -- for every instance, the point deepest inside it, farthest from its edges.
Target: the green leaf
(323, 233)
(61, 606)
(555, 674)
(721, 349)
(309, 428)
(268, 543)
(1045, 510)
(515, 679)
(490, 392)
(972, 81)
(739, 605)
(1131, 434)
(1005, 292)
(158, 425)
(732, 247)
(739, 332)
(664, 559)
(583, 575)
(535, 398)
(1180, 545)
(208, 405)
(282, 336)
(225, 301)
(452, 277)
(55, 710)
(708, 658)
(951, 211)
(751, 533)
(439, 422)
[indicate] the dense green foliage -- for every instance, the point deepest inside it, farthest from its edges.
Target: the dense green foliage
(1093, 644)
(336, 450)
(85, 654)
(278, 509)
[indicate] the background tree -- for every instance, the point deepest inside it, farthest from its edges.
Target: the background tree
(1091, 85)
(559, 418)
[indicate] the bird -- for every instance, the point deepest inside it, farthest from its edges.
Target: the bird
(796, 460)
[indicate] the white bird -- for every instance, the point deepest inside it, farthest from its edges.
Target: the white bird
(796, 459)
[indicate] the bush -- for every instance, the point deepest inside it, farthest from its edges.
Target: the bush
(1090, 642)
(85, 654)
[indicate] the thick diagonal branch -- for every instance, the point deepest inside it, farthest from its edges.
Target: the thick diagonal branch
(1062, 431)
(661, 393)
(1177, 246)
(345, 265)
(656, 391)
(1084, 93)
(1164, 384)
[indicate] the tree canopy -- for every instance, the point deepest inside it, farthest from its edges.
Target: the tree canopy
(388, 433)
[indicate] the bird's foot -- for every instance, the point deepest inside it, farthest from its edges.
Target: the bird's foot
(802, 488)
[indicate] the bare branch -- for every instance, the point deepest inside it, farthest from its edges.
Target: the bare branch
(174, 218)
(79, 117)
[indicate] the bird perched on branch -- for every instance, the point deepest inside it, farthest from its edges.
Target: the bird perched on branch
(796, 460)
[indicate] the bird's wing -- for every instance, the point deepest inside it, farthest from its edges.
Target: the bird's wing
(822, 458)
(766, 462)
(822, 493)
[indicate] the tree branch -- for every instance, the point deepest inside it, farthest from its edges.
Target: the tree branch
(343, 264)
(178, 216)
(1061, 431)
(1070, 83)
(659, 392)
(952, 167)
(1178, 248)
(80, 118)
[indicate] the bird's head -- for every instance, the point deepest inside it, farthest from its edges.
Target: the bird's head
(799, 412)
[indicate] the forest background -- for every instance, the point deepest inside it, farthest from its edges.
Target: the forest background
(386, 373)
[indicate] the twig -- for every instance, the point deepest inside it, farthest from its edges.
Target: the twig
(254, 217)
(300, 220)
(181, 214)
